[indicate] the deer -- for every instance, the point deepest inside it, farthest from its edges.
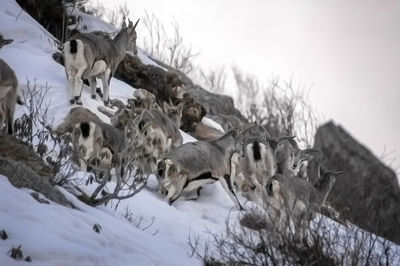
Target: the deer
(195, 164)
(96, 143)
(299, 200)
(90, 56)
(254, 164)
(202, 131)
(159, 134)
(8, 93)
(289, 157)
(228, 122)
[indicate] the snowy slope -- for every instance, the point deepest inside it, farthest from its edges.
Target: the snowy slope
(56, 235)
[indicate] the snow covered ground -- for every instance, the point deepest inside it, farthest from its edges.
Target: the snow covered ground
(55, 235)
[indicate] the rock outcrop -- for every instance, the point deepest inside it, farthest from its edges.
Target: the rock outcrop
(213, 103)
(25, 169)
(368, 193)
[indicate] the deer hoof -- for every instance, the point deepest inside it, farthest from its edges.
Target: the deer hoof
(77, 100)
(98, 91)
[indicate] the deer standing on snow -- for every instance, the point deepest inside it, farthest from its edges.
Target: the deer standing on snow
(8, 93)
(195, 164)
(90, 56)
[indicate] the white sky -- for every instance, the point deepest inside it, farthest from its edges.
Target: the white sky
(349, 50)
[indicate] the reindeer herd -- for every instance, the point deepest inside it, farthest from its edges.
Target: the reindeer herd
(245, 158)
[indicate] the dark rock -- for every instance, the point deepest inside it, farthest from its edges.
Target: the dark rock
(3, 234)
(97, 228)
(152, 78)
(14, 149)
(59, 58)
(24, 168)
(368, 193)
(16, 253)
(22, 176)
(192, 113)
(213, 103)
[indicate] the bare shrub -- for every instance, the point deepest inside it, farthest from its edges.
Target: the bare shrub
(120, 15)
(138, 222)
(127, 184)
(213, 79)
(266, 244)
(70, 23)
(167, 47)
(128, 179)
(280, 106)
(35, 129)
(96, 9)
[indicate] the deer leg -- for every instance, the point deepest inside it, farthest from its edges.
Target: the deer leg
(98, 68)
(10, 121)
(180, 185)
(234, 165)
(105, 79)
(301, 221)
(93, 84)
(330, 185)
(226, 184)
(194, 194)
(78, 87)
(71, 83)
(175, 190)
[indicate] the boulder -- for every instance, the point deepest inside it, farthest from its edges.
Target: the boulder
(25, 169)
(368, 193)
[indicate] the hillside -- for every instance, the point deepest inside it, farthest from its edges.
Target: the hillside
(56, 235)
(142, 230)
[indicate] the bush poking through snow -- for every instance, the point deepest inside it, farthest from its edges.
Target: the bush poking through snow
(35, 129)
(280, 106)
(3, 234)
(327, 244)
(16, 253)
(97, 228)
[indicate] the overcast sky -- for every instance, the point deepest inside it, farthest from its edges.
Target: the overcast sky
(349, 50)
